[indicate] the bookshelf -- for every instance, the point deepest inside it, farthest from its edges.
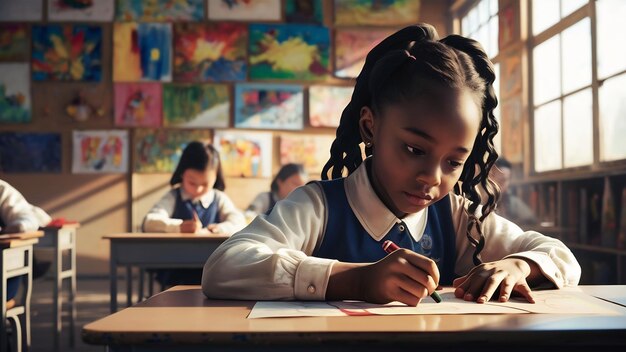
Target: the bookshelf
(587, 211)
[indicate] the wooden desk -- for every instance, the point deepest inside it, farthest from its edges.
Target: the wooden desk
(16, 260)
(157, 250)
(183, 319)
(59, 240)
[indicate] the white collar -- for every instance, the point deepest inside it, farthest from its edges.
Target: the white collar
(372, 213)
(205, 199)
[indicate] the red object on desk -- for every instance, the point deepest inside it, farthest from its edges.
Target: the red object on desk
(59, 222)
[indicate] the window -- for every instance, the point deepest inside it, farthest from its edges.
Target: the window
(565, 91)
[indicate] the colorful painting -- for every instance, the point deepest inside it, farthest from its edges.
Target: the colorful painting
(67, 53)
(245, 154)
(158, 150)
(269, 106)
(81, 10)
(351, 49)
(512, 130)
(30, 152)
(138, 104)
(312, 151)
(248, 10)
(304, 11)
(289, 51)
(196, 105)
(210, 52)
(376, 13)
(326, 104)
(159, 10)
(507, 26)
(142, 51)
(15, 106)
(100, 152)
(22, 10)
(511, 80)
(14, 42)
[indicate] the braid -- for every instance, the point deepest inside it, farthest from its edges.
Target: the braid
(483, 154)
(345, 152)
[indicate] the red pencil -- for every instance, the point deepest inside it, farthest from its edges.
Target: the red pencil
(389, 247)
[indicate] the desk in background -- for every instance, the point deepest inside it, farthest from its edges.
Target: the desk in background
(157, 250)
(16, 259)
(182, 319)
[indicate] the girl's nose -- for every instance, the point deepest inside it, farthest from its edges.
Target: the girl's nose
(430, 175)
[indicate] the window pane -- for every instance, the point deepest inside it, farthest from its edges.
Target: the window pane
(576, 59)
(493, 37)
(464, 27)
(472, 20)
(547, 71)
(493, 7)
(545, 14)
(578, 129)
(569, 6)
(497, 140)
(483, 11)
(613, 119)
(547, 143)
(611, 31)
(483, 37)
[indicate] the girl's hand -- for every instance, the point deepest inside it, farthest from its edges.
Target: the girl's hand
(403, 276)
(191, 226)
(507, 276)
(213, 228)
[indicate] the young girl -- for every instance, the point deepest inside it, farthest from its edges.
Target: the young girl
(423, 109)
(196, 203)
(289, 177)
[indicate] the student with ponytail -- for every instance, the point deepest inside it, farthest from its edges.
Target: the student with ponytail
(423, 110)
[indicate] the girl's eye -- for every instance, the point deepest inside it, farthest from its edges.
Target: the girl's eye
(414, 150)
(454, 163)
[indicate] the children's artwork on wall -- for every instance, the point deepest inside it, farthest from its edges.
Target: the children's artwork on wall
(138, 104)
(304, 11)
(15, 103)
(289, 51)
(312, 151)
(30, 152)
(14, 42)
(21, 10)
(512, 138)
(67, 53)
(245, 154)
(249, 10)
(351, 48)
(326, 104)
(508, 26)
(159, 10)
(158, 150)
(210, 52)
(100, 151)
(196, 105)
(376, 13)
(511, 81)
(269, 106)
(77, 10)
(142, 51)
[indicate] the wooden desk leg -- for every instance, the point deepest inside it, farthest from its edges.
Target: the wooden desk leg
(113, 277)
(129, 286)
(72, 297)
(57, 265)
(3, 306)
(29, 291)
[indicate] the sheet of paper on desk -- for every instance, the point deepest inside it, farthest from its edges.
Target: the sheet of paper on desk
(566, 301)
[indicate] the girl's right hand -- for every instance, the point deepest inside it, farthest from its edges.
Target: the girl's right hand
(403, 276)
(191, 226)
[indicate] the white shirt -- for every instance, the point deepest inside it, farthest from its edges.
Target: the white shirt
(16, 211)
(159, 218)
(271, 258)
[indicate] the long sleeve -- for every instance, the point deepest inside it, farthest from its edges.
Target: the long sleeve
(505, 239)
(159, 217)
(232, 220)
(270, 258)
(16, 213)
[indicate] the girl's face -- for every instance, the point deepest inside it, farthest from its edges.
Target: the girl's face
(419, 149)
(289, 184)
(197, 183)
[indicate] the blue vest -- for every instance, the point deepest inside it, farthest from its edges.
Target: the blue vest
(183, 209)
(346, 240)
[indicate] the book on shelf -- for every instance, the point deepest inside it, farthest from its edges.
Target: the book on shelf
(595, 218)
(572, 215)
(621, 233)
(608, 236)
(583, 225)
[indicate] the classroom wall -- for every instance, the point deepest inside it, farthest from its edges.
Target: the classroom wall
(113, 203)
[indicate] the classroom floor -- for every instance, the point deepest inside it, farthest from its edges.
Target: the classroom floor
(92, 303)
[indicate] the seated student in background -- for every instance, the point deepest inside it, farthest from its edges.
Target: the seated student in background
(509, 205)
(423, 108)
(289, 177)
(17, 215)
(195, 204)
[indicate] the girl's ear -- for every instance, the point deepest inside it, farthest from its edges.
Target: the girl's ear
(366, 126)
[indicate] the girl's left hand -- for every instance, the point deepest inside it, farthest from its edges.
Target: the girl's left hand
(507, 276)
(213, 228)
